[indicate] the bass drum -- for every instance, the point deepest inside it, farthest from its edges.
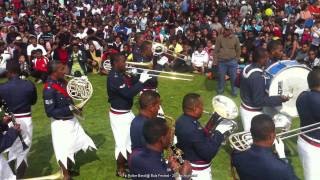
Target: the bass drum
(288, 78)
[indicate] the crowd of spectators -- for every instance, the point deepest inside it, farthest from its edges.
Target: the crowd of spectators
(83, 33)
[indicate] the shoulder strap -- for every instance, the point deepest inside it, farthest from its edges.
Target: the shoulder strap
(247, 75)
(57, 88)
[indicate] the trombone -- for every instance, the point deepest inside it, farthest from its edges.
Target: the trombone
(159, 49)
(242, 141)
(139, 70)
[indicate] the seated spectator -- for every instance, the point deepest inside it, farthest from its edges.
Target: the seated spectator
(77, 60)
(311, 60)
(302, 53)
(200, 59)
(94, 59)
(34, 46)
(61, 53)
(40, 66)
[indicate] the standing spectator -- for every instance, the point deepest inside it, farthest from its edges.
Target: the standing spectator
(227, 50)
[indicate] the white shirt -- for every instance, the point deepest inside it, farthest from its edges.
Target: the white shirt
(199, 59)
(316, 38)
(30, 48)
(96, 11)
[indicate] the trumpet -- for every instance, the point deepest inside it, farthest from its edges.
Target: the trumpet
(173, 150)
(224, 110)
(79, 89)
(242, 141)
(156, 73)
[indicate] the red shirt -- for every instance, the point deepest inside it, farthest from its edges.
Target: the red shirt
(41, 64)
(62, 55)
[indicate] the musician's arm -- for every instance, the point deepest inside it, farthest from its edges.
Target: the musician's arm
(122, 88)
(207, 148)
(260, 97)
(51, 107)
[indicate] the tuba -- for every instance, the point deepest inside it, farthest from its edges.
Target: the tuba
(80, 90)
(225, 110)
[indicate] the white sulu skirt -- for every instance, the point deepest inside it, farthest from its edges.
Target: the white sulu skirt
(246, 117)
(310, 159)
(16, 152)
(5, 170)
(120, 125)
(68, 137)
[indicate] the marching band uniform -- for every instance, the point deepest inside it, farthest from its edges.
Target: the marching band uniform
(6, 140)
(253, 94)
(68, 137)
(260, 163)
(19, 96)
(308, 104)
(136, 132)
(149, 164)
(121, 90)
(198, 146)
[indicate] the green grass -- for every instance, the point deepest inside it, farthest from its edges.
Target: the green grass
(100, 164)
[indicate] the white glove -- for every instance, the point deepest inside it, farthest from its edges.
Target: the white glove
(224, 126)
(134, 71)
(144, 77)
(279, 146)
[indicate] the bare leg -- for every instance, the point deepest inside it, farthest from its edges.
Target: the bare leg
(66, 175)
(121, 165)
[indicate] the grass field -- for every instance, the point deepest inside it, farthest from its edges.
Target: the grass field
(100, 164)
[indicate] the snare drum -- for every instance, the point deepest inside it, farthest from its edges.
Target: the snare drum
(288, 78)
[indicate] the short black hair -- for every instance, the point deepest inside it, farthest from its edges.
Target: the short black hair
(314, 78)
(148, 98)
(115, 57)
(190, 101)
(13, 66)
(273, 45)
(258, 54)
(262, 126)
(53, 66)
(154, 129)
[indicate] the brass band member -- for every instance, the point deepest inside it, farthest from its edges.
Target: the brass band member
(198, 146)
(121, 90)
(309, 144)
(19, 95)
(68, 137)
(259, 162)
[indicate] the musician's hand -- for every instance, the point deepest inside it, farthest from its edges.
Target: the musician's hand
(144, 77)
(224, 126)
(284, 98)
(173, 163)
(17, 127)
(6, 119)
(279, 146)
(185, 169)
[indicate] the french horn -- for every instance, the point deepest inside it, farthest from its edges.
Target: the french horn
(80, 90)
